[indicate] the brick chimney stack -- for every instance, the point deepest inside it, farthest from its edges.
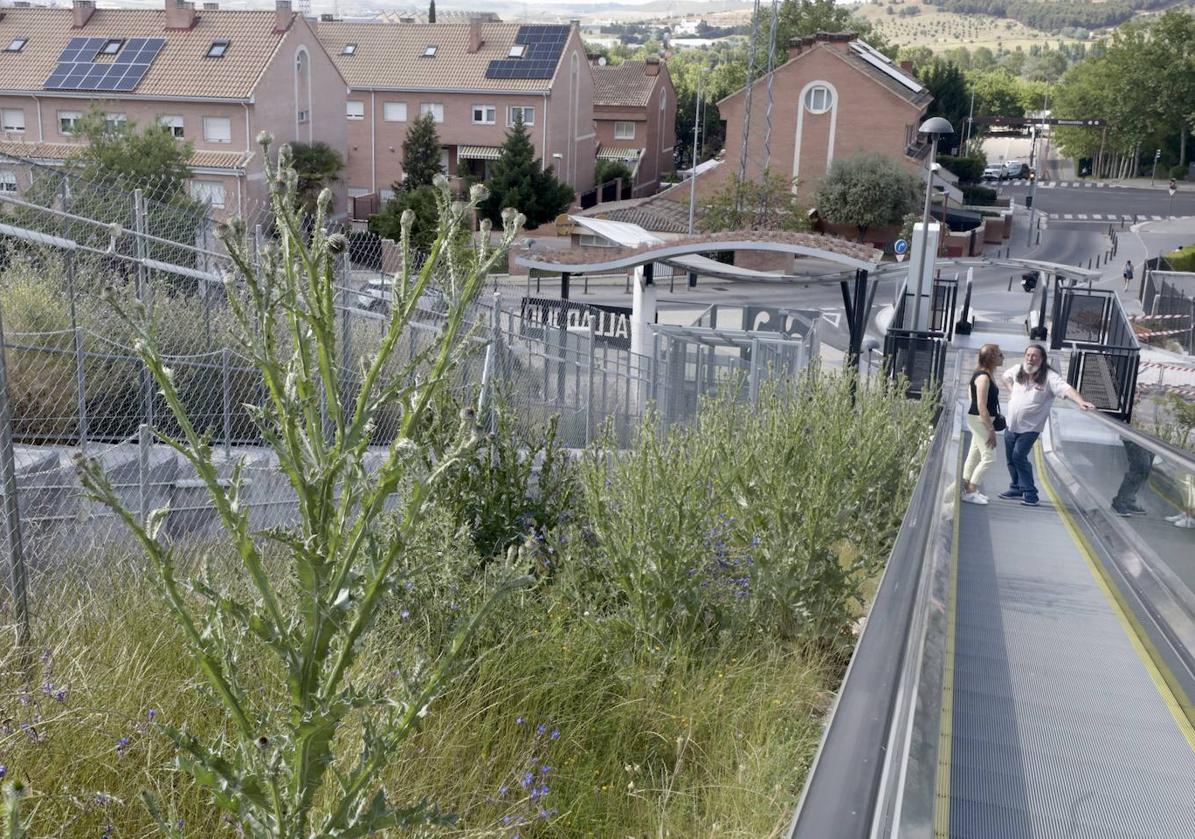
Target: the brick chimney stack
(475, 39)
(282, 15)
(180, 15)
(82, 10)
(652, 65)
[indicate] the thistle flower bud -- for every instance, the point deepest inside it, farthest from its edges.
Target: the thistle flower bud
(478, 193)
(440, 181)
(338, 242)
(265, 139)
(325, 199)
(408, 219)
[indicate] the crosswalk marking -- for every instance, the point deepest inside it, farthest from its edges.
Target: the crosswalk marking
(1068, 216)
(1096, 216)
(1082, 217)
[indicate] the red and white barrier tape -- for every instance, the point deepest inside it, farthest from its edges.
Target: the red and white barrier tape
(1158, 365)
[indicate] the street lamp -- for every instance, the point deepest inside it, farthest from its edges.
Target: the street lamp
(935, 128)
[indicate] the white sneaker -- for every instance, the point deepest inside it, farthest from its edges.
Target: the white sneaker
(1185, 521)
(1177, 517)
(974, 498)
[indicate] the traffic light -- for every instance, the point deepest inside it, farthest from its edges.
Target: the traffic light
(1032, 176)
(1029, 280)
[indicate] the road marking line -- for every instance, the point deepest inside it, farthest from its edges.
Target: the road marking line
(1068, 216)
(1096, 216)
(1082, 217)
(1156, 218)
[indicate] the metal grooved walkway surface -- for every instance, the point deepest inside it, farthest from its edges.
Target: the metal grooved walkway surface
(1058, 728)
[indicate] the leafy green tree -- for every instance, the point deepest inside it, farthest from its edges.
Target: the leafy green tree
(867, 190)
(764, 204)
(518, 180)
(317, 165)
(421, 154)
(798, 18)
(610, 170)
(952, 98)
(120, 155)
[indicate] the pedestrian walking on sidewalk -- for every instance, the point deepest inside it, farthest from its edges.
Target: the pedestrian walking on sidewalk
(1128, 273)
(1032, 386)
(983, 420)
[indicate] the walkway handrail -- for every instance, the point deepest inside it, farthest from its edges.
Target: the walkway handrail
(856, 776)
(1173, 455)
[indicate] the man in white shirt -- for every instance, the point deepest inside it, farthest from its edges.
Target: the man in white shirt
(1032, 387)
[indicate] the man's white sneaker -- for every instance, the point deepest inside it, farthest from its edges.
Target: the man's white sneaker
(974, 498)
(1177, 517)
(1185, 521)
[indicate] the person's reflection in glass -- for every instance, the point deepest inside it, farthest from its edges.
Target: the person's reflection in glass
(1186, 518)
(1141, 462)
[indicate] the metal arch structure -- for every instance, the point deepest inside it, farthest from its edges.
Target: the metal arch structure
(857, 297)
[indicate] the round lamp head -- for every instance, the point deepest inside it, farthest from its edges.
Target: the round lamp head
(936, 125)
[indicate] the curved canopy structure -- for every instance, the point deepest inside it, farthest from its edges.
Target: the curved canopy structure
(598, 260)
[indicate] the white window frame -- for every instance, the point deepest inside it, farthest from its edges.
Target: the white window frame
(528, 111)
(624, 130)
(16, 44)
(445, 159)
(812, 95)
(175, 123)
(218, 48)
(489, 115)
(114, 120)
(13, 120)
(348, 49)
(212, 136)
(354, 108)
(517, 51)
(436, 109)
(211, 193)
(8, 181)
(111, 47)
(71, 118)
(430, 51)
(390, 110)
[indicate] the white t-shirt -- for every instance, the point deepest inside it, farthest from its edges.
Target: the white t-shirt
(1029, 403)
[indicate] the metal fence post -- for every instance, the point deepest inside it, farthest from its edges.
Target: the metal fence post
(227, 407)
(589, 415)
(754, 380)
(81, 388)
(146, 300)
(143, 436)
(12, 507)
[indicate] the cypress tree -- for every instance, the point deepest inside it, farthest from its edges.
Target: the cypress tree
(518, 181)
(431, 12)
(421, 153)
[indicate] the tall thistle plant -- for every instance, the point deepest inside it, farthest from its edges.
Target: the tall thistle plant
(343, 555)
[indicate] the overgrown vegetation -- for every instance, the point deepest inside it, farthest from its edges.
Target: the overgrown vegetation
(689, 603)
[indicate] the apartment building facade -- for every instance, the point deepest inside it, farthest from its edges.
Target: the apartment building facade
(835, 96)
(474, 78)
(634, 113)
(216, 77)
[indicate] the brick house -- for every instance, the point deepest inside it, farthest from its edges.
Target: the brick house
(634, 115)
(217, 77)
(835, 96)
(474, 77)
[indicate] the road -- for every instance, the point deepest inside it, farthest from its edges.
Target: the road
(1093, 203)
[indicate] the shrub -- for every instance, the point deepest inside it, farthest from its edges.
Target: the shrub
(1179, 173)
(1182, 259)
(979, 196)
(968, 169)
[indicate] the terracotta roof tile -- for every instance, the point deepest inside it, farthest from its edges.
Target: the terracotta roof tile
(58, 152)
(623, 85)
(584, 256)
(390, 56)
(181, 68)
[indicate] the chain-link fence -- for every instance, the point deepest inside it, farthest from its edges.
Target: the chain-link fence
(71, 382)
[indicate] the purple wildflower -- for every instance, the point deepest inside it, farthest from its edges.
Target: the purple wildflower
(121, 745)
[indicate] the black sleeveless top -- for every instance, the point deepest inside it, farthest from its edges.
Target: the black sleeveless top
(993, 395)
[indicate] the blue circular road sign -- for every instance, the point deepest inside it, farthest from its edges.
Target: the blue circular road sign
(900, 246)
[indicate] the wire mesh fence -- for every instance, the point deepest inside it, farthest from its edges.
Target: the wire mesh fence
(72, 382)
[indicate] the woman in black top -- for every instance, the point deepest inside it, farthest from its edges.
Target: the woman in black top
(985, 407)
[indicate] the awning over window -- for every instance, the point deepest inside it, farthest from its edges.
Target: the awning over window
(478, 152)
(618, 153)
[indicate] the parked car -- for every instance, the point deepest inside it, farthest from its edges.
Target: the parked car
(994, 172)
(375, 296)
(1016, 169)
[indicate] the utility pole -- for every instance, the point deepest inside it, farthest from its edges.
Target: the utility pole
(970, 119)
(693, 167)
(1173, 188)
(1154, 173)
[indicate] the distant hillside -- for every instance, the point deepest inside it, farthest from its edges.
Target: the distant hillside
(1055, 15)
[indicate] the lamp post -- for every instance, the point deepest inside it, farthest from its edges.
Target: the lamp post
(693, 165)
(935, 127)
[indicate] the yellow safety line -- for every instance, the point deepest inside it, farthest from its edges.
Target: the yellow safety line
(946, 727)
(1168, 687)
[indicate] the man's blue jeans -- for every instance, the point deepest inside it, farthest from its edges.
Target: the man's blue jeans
(1017, 448)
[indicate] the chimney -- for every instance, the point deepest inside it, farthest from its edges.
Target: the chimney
(406, 20)
(82, 11)
(327, 17)
(652, 65)
(282, 15)
(180, 15)
(907, 66)
(211, 7)
(475, 40)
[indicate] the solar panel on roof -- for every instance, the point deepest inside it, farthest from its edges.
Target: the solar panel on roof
(77, 69)
(543, 45)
